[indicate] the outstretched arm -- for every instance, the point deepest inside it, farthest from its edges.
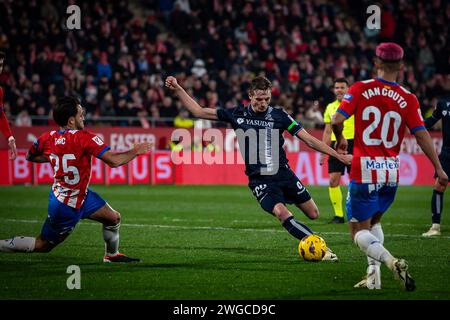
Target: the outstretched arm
(115, 160)
(320, 146)
(196, 110)
(39, 158)
(326, 138)
(426, 144)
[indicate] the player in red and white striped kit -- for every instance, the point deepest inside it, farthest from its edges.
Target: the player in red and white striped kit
(4, 125)
(70, 150)
(383, 110)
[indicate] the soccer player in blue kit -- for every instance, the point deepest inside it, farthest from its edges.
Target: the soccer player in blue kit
(259, 127)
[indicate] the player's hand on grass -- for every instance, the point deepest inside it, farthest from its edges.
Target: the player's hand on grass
(442, 178)
(172, 83)
(142, 147)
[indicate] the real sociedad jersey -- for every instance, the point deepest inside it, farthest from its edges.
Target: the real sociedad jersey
(382, 112)
(70, 153)
(442, 112)
(260, 137)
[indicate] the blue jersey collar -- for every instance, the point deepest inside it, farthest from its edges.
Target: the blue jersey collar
(387, 82)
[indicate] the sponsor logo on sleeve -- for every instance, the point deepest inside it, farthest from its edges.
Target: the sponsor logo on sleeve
(348, 97)
(97, 140)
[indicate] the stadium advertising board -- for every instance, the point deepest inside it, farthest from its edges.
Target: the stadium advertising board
(162, 166)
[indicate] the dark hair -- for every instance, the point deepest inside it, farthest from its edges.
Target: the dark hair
(65, 108)
(340, 80)
(260, 83)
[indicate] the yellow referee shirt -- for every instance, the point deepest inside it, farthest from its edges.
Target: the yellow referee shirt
(349, 124)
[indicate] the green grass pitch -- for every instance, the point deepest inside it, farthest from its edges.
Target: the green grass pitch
(214, 242)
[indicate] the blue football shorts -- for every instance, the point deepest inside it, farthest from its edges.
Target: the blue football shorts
(62, 219)
(364, 200)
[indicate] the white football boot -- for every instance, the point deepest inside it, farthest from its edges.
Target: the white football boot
(373, 277)
(330, 256)
(435, 230)
(372, 280)
(400, 269)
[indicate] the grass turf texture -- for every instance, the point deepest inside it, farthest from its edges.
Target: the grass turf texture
(214, 242)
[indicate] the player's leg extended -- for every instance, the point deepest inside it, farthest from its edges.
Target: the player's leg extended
(310, 210)
(437, 205)
(335, 193)
(294, 227)
(95, 208)
(295, 192)
(272, 200)
(372, 246)
(373, 269)
(60, 222)
(110, 219)
(26, 244)
(372, 280)
(364, 204)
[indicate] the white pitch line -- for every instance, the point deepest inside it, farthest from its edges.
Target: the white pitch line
(136, 225)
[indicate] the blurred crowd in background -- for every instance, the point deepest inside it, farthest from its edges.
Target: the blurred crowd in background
(118, 60)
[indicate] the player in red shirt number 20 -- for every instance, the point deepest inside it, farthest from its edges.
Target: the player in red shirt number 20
(383, 110)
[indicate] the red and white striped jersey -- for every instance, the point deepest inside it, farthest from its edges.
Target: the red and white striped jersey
(382, 112)
(70, 153)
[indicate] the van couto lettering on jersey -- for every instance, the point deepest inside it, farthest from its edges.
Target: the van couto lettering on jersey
(382, 164)
(251, 122)
(60, 141)
(369, 93)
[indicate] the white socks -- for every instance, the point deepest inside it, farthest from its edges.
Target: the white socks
(372, 247)
(18, 244)
(111, 237)
(377, 231)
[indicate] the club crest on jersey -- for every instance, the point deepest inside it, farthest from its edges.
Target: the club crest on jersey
(348, 97)
(240, 120)
(97, 140)
(60, 141)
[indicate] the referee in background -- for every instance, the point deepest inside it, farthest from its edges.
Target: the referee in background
(336, 168)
